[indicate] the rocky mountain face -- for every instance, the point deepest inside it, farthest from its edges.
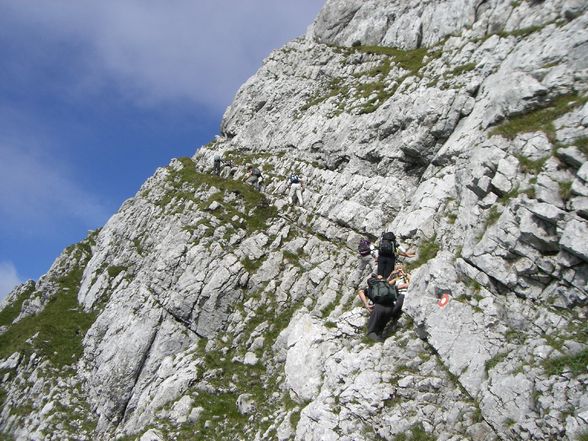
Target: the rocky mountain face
(205, 309)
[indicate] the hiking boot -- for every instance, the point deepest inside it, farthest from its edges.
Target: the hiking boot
(375, 337)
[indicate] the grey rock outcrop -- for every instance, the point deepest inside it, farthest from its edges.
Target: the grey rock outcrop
(210, 310)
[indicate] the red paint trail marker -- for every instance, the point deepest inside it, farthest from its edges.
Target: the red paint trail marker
(443, 301)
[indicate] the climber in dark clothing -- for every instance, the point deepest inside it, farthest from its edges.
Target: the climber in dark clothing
(387, 252)
(216, 164)
(380, 298)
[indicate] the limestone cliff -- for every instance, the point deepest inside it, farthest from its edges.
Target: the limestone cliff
(205, 309)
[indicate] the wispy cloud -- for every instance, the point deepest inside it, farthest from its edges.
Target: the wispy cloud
(68, 67)
(37, 190)
(153, 51)
(8, 278)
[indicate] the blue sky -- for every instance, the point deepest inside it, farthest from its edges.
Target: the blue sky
(95, 95)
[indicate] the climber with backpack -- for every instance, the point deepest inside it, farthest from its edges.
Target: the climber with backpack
(367, 254)
(216, 164)
(296, 187)
(254, 177)
(387, 252)
(379, 298)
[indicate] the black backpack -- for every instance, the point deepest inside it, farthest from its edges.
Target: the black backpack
(387, 245)
(294, 179)
(382, 292)
(364, 248)
(256, 172)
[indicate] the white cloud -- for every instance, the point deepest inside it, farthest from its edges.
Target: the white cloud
(156, 54)
(8, 278)
(153, 51)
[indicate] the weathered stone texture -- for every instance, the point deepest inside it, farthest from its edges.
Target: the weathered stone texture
(420, 118)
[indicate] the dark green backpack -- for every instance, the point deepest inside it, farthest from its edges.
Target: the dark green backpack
(382, 292)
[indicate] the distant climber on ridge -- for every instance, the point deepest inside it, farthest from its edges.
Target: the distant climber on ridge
(216, 164)
(296, 187)
(254, 177)
(380, 298)
(387, 252)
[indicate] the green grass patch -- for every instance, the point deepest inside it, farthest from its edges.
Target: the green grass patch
(383, 69)
(494, 213)
(459, 251)
(515, 336)
(531, 166)
(576, 364)
(295, 419)
(582, 145)
(136, 437)
(187, 184)
(578, 331)
(59, 327)
(530, 192)
(22, 410)
(244, 158)
(115, 270)
(221, 409)
(460, 70)
(475, 287)
(293, 258)
(428, 249)
(331, 307)
(506, 197)
(493, 216)
(190, 229)
(417, 433)
(220, 406)
(379, 91)
(410, 60)
(87, 244)
(494, 361)
(3, 393)
(524, 32)
(139, 247)
(251, 265)
(12, 310)
(555, 342)
(373, 83)
(565, 190)
(335, 87)
(477, 415)
(75, 419)
(540, 119)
